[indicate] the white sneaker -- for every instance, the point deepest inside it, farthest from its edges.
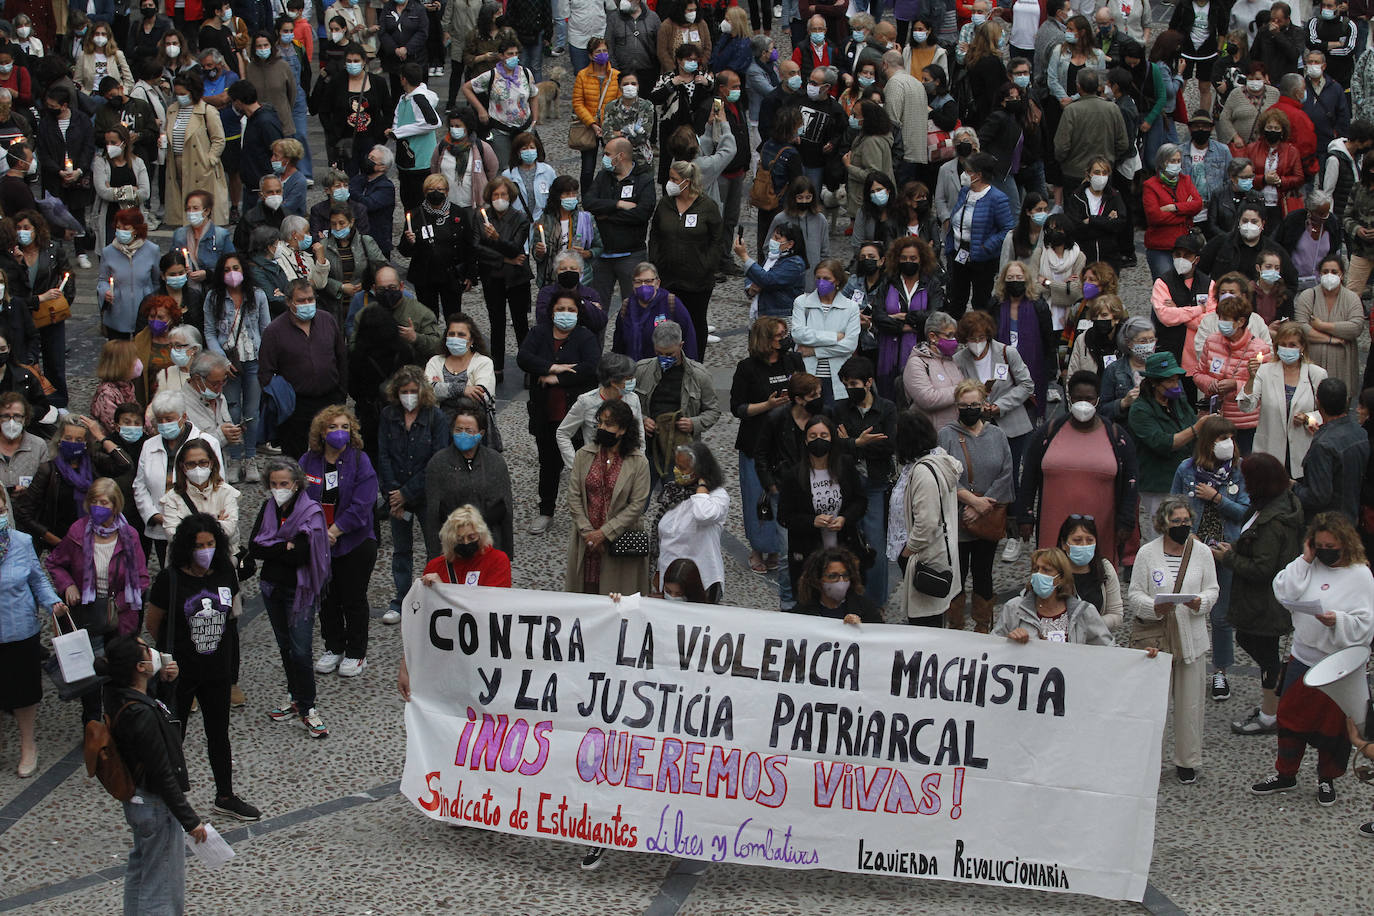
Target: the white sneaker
(83, 262)
(777, 11)
(710, 327)
(250, 471)
(391, 617)
(352, 667)
(328, 662)
(541, 524)
(711, 338)
(1011, 551)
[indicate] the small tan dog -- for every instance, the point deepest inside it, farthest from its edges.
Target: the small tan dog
(549, 91)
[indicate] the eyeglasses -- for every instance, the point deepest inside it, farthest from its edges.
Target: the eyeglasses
(203, 463)
(835, 577)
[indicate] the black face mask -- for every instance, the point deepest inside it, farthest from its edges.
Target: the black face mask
(970, 414)
(908, 268)
(568, 279)
(389, 297)
(149, 12)
(1015, 107)
(857, 393)
(466, 548)
(605, 438)
(786, 343)
(1056, 237)
(963, 149)
(1201, 138)
(1102, 328)
(814, 406)
(1329, 556)
(435, 198)
(1273, 136)
(1179, 533)
(1015, 288)
(115, 102)
(819, 447)
(923, 208)
(867, 266)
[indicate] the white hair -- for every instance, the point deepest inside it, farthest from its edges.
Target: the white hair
(165, 402)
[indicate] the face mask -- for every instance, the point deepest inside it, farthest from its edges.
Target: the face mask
(794, 82)
(1098, 182)
(6, 69)
(1329, 281)
(1226, 327)
(1254, 86)
(683, 477)
(978, 19)
(1273, 136)
(690, 16)
(1021, 81)
(158, 327)
(1314, 71)
(947, 345)
(1224, 449)
(305, 311)
(336, 37)
(305, 241)
(24, 236)
(773, 56)
(409, 401)
(169, 430)
(263, 53)
(1245, 184)
(500, 205)
(1091, 291)
(204, 556)
(1174, 393)
(818, 448)
(353, 67)
(1083, 411)
(813, 91)
(970, 414)
(666, 362)
(467, 549)
(11, 429)
(785, 344)
(458, 346)
(865, 81)
(23, 32)
(181, 356)
(529, 156)
(434, 198)
(282, 495)
(920, 37)
(625, 6)
(233, 278)
(689, 66)
(645, 292)
(131, 434)
(1183, 266)
(817, 38)
(340, 194)
(607, 164)
(173, 51)
(867, 267)
(341, 233)
(630, 92)
(114, 151)
(774, 248)
(388, 297)
(286, 38)
(569, 279)
(963, 149)
(278, 166)
(100, 40)
(835, 591)
(1179, 533)
(605, 438)
(814, 406)
(1326, 14)
(1328, 556)
(825, 288)
(227, 15)
(1172, 169)
(879, 197)
(1290, 355)
(1015, 288)
(565, 321)
(124, 236)
(1042, 585)
(673, 188)
(1201, 138)
(337, 438)
(854, 123)
(195, 217)
(70, 451)
(1081, 554)
(198, 476)
(466, 442)
(272, 201)
(1140, 351)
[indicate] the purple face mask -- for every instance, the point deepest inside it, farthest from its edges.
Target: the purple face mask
(337, 438)
(601, 57)
(1174, 393)
(101, 515)
(1091, 290)
(947, 345)
(157, 326)
(70, 451)
(773, 56)
(825, 288)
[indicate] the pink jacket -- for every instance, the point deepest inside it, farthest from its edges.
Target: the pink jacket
(1227, 358)
(108, 396)
(1171, 315)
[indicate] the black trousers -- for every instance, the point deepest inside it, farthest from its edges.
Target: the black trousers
(501, 299)
(293, 434)
(214, 716)
(976, 557)
(1265, 651)
(550, 466)
(344, 613)
(697, 303)
(974, 278)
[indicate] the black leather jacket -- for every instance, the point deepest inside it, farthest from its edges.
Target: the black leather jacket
(149, 741)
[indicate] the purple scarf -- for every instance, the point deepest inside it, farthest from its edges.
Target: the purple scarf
(894, 351)
(128, 543)
(80, 479)
(1029, 345)
(306, 518)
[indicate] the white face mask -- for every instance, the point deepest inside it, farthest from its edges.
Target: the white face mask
(1314, 71)
(1224, 449)
(500, 205)
(114, 151)
(1083, 411)
(813, 91)
(673, 188)
(1250, 231)
(1329, 281)
(12, 429)
(1098, 182)
(630, 92)
(198, 476)
(691, 17)
(1255, 86)
(272, 201)
(410, 401)
(282, 495)
(23, 32)
(1183, 266)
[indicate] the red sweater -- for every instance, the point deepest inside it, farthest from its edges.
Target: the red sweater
(491, 567)
(1163, 227)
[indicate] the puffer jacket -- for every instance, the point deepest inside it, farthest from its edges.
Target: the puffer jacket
(1256, 556)
(1227, 358)
(587, 89)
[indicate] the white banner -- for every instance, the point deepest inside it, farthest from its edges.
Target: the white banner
(743, 736)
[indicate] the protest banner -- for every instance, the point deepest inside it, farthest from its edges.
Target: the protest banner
(744, 736)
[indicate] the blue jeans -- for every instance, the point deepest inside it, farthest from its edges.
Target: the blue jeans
(762, 536)
(295, 643)
(816, 175)
(580, 61)
(1161, 262)
(300, 116)
(244, 395)
(532, 56)
(560, 34)
(1223, 634)
(155, 880)
(874, 527)
(402, 557)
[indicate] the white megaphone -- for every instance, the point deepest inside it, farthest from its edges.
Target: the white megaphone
(1341, 677)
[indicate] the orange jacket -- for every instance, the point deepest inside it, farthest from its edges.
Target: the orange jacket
(587, 89)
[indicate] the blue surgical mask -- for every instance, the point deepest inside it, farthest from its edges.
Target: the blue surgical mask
(1245, 184)
(732, 96)
(131, 433)
(305, 241)
(1082, 554)
(169, 430)
(794, 82)
(24, 236)
(529, 156)
(817, 37)
(774, 248)
(1290, 355)
(512, 63)
(857, 35)
(879, 197)
(124, 236)
(456, 345)
(176, 281)
(353, 67)
(853, 123)
(1042, 585)
(305, 311)
(565, 321)
(978, 19)
(865, 81)
(1270, 275)
(1226, 327)
(286, 37)
(278, 166)
(1040, 218)
(263, 53)
(666, 362)
(340, 194)
(466, 442)
(689, 66)
(1021, 80)
(341, 233)
(181, 356)
(569, 204)
(183, 100)
(629, 386)
(606, 163)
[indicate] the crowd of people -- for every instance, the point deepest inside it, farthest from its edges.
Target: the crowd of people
(942, 372)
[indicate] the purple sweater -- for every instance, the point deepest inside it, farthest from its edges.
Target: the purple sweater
(357, 496)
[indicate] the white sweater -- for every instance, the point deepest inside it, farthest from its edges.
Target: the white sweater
(1349, 591)
(1151, 575)
(691, 529)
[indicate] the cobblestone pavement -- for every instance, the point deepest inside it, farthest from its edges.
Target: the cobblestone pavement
(336, 838)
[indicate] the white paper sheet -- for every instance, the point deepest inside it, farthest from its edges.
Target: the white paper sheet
(215, 851)
(1311, 608)
(1173, 598)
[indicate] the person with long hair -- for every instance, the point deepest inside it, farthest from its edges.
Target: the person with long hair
(117, 369)
(801, 208)
(682, 580)
(877, 207)
(236, 314)
(38, 274)
(291, 542)
(1049, 609)
(1023, 241)
(922, 520)
(339, 476)
(464, 369)
(821, 500)
(832, 585)
(913, 291)
(1332, 572)
(191, 609)
(1094, 576)
(782, 275)
(608, 488)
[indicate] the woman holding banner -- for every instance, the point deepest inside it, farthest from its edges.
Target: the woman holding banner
(831, 585)
(1050, 607)
(1332, 574)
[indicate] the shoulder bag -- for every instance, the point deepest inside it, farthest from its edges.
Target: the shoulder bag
(631, 543)
(931, 580)
(581, 136)
(992, 525)
(1160, 633)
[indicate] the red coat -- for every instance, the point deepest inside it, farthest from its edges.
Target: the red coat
(1163, 227)
(1301, 132)
(491, 568)
(1291, 175)
(194, 12)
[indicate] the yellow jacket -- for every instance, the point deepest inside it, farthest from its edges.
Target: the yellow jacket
(586, 91)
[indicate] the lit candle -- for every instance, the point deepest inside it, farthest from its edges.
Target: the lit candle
(485, 219)
(186, 256)
(1262, 357)
(63, 284)
(69, 163)
(541, 234)
(408, 228)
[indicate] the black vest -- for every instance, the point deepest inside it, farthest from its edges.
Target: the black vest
(1174, 338)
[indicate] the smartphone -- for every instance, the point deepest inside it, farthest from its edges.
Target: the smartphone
(1214, 403)
(739, 233)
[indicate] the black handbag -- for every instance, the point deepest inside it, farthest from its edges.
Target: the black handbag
(100, 617)
(632, 543)
(931, 580)
(764, 510)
